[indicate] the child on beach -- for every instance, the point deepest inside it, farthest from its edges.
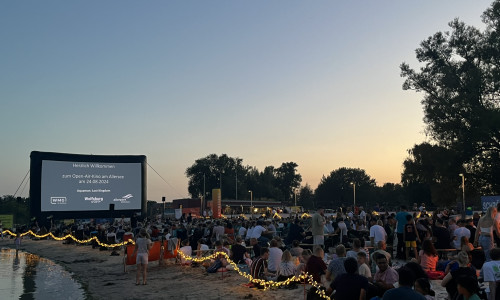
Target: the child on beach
(142, 246)
(17, 241)
(410, 236)
(363, 268)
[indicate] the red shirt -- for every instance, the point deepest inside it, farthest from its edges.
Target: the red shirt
(316, 267)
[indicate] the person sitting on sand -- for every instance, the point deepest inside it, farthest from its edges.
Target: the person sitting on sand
(142, 246)
(349, 285)
(239, 252)
(406, 280)
(258, 269)
(306, 254)
(202, 248)
(315, 266)
(187, 251)
(468, 288)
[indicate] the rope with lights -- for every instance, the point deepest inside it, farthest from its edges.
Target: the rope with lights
(265, 284)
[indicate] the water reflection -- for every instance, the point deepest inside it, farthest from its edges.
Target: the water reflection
(26, 276)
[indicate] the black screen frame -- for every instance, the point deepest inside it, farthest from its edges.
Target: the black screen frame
(36, 159)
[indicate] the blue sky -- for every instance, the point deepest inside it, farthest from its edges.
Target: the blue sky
(313, 82)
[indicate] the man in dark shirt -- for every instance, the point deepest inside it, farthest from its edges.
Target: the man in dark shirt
(255, 247)
(441, 235)
(389, 229)
(238, 251)
(315, 265)
(349, 286)
(295, 232)
(472, 228)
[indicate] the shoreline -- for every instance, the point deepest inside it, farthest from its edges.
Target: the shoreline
(102, 276)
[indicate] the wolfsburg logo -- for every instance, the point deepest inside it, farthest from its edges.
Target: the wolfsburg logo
(124, 199)
(58, 200)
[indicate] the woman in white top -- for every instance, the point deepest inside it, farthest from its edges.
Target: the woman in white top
(484, 232)
(287, 267)
(142, 246)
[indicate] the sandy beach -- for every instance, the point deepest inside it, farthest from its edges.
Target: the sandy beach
(103, 276)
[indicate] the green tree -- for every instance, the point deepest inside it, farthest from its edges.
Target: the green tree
(215, 171)
(17, 206)
(229, 174)
(306, 198)
(431, 174)
(337, 189)
(460, 79)
(287, 179)
(391, 195)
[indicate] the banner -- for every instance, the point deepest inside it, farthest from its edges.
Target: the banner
(488, 201)
(216, 203)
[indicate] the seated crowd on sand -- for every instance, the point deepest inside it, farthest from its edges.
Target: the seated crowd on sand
(351, 255)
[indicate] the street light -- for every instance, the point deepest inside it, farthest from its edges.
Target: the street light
(295, 195)
(463, 194)
(354, 196)
(251, 203)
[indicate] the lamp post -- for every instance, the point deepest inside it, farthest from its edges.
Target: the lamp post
(163, 212)
(463, 194)
(295, 195)
(202, 209)
(251, 203)
(354, 196)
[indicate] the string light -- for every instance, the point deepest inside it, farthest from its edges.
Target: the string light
(265, 284)
(305, 215)
(94, 238)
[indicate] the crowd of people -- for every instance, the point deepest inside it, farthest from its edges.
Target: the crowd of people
(353, 255)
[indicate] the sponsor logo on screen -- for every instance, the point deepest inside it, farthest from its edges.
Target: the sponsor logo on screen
(124, 199)
(94, 199)
(58, 200)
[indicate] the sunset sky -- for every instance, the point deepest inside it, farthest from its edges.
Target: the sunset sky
(313, 82)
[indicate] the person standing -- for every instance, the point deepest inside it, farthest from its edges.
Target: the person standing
(377, 233)
(342, 231)
(411, 237)
(484, 232)
(400, 228)
(317, 227)
(142, 246)
(496, 227)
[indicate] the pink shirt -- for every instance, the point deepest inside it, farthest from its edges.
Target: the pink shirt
(428, 262)
(389, 276)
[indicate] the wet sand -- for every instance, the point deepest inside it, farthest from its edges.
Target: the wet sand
(103, 276)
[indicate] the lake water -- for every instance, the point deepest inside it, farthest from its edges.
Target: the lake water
(27, 276)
